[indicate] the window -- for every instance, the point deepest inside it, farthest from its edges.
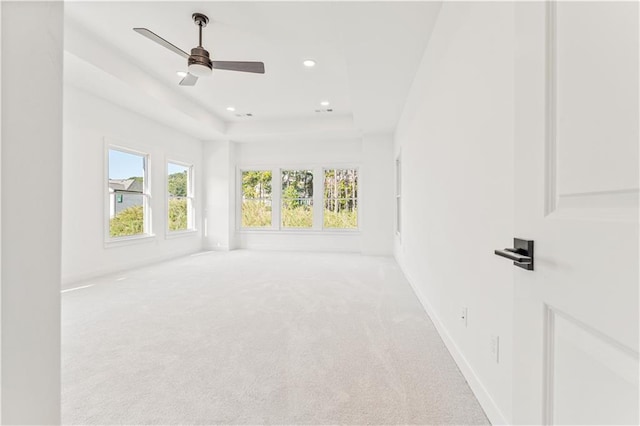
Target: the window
(305, 198)
(297, 198)
(398, 194)
(256, 198)
(341, 198)
(180, 211)
(128, 193)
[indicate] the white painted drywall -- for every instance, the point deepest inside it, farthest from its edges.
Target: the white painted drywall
(219, 187)
(370, 155)
(88, 122)
(377, 194)
(456, 140)
(0, 212)
(31, 210)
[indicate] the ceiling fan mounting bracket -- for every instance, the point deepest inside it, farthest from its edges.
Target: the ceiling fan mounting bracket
(200, 19)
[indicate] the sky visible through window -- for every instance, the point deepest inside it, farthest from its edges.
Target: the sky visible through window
(176, 168)
(123, 165)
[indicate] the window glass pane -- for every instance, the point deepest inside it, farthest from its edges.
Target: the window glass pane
(256, 198)
(179, 188)
(256, 213)
(341, 198)
(126, 189)
(297, 198)
(178, 214)
(178, 180)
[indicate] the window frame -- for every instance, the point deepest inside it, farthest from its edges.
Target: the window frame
(313, 198)
(191, 199)
(239, 196)
(357, 199)
(276, 198)
(398, 191)
(146, 197)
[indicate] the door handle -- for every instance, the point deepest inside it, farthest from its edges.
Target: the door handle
(513, 255)
(521, 253)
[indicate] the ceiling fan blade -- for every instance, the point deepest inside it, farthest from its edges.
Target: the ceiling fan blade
(189, 80)
(256, 67)
(162, 42)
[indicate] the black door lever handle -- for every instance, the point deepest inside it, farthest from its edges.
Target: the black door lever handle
(521, 253)
(513, 254)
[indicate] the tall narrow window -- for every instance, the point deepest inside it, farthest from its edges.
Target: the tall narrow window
(180, 209)
(297, 198)
(256, 199)
(128, 193)
(398, 194)
(341, 198)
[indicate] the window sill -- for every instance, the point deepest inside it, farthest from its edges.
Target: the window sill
(125, 241)
(179, 234)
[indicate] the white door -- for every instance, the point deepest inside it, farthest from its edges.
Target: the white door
(576, 143)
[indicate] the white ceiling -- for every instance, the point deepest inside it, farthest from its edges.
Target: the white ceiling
(367, 55)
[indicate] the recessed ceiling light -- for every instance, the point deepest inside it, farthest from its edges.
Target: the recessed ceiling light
(324, 103)
(230, 108)
(182, 74)
(309, 63)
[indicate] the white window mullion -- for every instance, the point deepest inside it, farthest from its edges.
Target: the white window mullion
(190, 200)
(146, 190)
(276, 198)
(318, 202)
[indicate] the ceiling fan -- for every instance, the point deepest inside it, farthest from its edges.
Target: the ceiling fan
(199, 62)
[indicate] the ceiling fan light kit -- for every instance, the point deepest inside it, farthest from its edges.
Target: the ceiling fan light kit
(199, 61)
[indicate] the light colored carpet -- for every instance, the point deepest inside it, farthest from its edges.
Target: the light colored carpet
(258, 338)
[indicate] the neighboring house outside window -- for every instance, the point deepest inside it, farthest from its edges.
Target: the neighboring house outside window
(128, 193)
(124, 193)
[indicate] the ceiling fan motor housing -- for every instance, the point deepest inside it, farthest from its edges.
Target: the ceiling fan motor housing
(199, 58)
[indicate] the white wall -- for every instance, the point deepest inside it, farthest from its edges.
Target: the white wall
(455, 138)
(219, 195)
(31, 211)
(373, 158)
(88, 122)
(377, 194)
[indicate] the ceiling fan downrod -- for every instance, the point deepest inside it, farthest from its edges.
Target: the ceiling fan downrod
(199, 62)
(201, 21)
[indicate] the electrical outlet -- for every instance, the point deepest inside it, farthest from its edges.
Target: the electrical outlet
(463, 315)
(495, 348)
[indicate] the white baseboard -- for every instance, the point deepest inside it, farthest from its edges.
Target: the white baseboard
(69, 281)
(489, 406)
(217, 248)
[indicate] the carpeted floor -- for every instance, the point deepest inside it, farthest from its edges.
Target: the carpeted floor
(257, 338)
